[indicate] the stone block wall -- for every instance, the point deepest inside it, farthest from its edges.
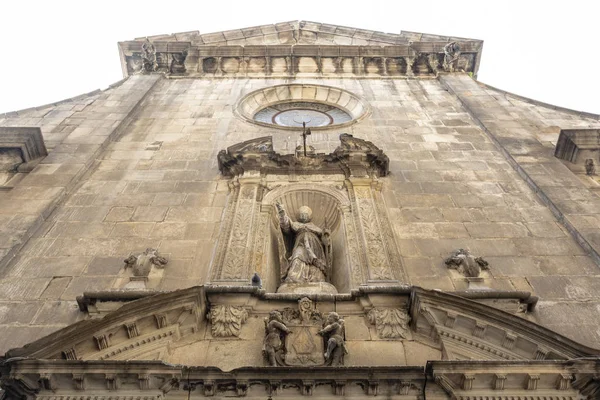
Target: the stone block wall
(143, 157)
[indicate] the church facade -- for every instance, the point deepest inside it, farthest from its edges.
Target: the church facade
(298, 210)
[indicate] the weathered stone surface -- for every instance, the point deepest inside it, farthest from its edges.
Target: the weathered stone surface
(157, 185)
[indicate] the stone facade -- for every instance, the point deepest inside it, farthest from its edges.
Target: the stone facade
(138, 167)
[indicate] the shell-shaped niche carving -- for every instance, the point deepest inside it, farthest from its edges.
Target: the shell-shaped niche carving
(327, 204)
(325, 208)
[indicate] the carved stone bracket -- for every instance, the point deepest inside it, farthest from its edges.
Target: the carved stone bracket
(227, 320)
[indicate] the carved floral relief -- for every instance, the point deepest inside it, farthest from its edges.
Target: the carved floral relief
(391, 323)
(226, 320)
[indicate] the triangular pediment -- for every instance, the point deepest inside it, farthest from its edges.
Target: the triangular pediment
(299, 47)
(301, 33)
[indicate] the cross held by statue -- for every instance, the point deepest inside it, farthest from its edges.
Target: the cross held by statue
(305, 133)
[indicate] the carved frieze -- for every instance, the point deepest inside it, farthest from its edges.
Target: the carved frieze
(390, 323)
(227, 320)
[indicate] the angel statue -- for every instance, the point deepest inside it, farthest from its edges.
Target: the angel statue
(311, 253)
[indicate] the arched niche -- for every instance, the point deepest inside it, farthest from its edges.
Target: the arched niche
(330, 208)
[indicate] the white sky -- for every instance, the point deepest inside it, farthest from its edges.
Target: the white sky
(545, 50)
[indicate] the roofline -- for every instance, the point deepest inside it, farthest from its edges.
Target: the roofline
(529, 100)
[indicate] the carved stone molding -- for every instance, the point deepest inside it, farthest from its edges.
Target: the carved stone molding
(289, 61)
(154, 380)
(226, 320)
(391, 323)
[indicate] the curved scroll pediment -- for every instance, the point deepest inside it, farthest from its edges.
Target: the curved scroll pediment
(468, 330)
(147, 328)
(140, 329)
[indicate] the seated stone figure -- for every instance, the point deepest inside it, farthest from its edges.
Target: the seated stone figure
(334, 334)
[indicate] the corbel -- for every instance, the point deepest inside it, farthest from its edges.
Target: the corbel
(307, 387)
(209, 388)
(479, 329)
(79, 381)
(499, 381)
(467, 381)
(132, 330)
(241, 387)
(112, 381)
(69, 354)
(564, 382)
(339, 387)
(144, 381)
(509, 340)
(46, 381)
(532, 381)
(372, 387)
(450, 319)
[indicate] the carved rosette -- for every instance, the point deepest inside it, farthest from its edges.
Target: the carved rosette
(390, 323)
(226, 320)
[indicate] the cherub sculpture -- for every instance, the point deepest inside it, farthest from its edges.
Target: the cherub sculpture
(467, 264)
(275, 331)
(333, 332)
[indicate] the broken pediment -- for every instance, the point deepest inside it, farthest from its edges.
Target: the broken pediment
(354, 157)
(213, 340)
(299, 47)
(461, 328)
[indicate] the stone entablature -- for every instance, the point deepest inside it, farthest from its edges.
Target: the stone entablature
(300, 49)
(289, 61)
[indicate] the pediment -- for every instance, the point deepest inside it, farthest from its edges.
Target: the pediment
(298, 47)
(300, 33)
(146, 329)
(147, 346)
(469, 330)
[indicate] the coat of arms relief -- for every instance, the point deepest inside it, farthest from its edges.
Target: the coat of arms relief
(304, 337)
